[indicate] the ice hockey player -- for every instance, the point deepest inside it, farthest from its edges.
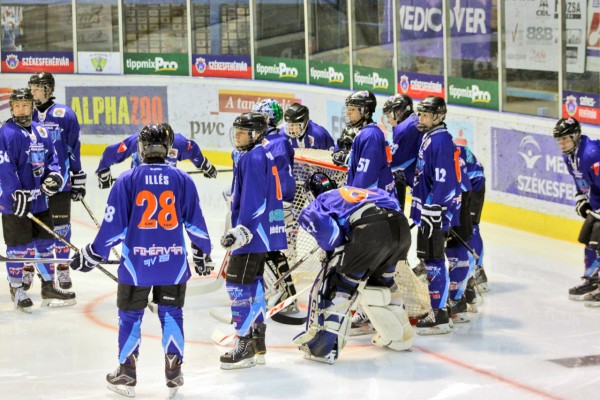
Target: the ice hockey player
(147, 210)
(436, 193)
(370, 155)
(399, 111)
(258, 228)
(582, 155)
(29, 172)
(364, 234)
(283, 154)
(63, 128)
(182, 149)
(304, 132)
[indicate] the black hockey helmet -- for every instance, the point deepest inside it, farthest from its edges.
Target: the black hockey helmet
(567, 127)
(434, 105)
(23, 94)
(155, 141)
(296, 118)
(319, 183)
(399, 105)
(366, 102)
(247, 130)
(45, 80)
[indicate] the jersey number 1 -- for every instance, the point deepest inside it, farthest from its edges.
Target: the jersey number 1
(167, 215)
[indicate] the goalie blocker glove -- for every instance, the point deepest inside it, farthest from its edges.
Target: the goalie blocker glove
(78, 185)
(582, 206)
(52, 184)
(85, 260)
(236, 238)
(431, 219)
(22, 203)
(105, 179)
(203, 263)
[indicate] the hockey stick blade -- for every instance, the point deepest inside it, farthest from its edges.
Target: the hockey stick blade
(223, 340)
(43, 260)
(225, 317)
(214, 285)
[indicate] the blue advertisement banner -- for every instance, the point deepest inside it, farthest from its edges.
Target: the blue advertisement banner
(530, 165)
(117, 109)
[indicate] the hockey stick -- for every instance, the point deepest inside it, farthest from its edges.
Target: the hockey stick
(31, 260)
(202, 172)
(89, 210)
(214, 285)
(222, 339)
(461, 241)
(72, 246)
(292, 269)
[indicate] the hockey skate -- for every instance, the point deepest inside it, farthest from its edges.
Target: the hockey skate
(328, 358)
(22, 301)
(54, 297)
(471, 296)
(243, 354)
(588, 285)
(173, 373)
(458, 310)
(123, 380)
(258, 334)
(481, 280)
(434, 323)
(28, 274)
(592, 299)
(63, 275)
(360, 324)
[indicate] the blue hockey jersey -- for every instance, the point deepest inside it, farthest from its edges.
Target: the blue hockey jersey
(61, 124)
(437, 176)
(182, 149)
(584, 167)
(147, 210)
(315, 137)
(27, 156)
(257, 200)
(474, 169)
(326, 218)
(405, 149)
(370, 158)
(283, 154)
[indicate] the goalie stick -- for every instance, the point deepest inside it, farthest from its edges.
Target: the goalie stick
(71, 245)
(223, 339)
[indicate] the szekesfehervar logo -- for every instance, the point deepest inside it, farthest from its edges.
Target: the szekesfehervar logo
(200, 65)
(12, 61)
(404, 85)
(571, 105)
(529, 150)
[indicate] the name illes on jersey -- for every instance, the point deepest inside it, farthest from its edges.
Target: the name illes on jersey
(156, 179)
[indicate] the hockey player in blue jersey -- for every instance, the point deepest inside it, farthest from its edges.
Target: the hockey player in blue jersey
(303, 132)
(581, 154)
(283, 154)
(258, 228)
(147, 211)
(182, 149)
(436, 193)
(399, 111)
(61, 124)
(29, 174)
(370, 156)
(364, 234)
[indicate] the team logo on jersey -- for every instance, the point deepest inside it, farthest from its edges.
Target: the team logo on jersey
(189, 146)
(596, 168)
(41, 116)
(173, 152)
(571, 105)
(404, 85)
(426, 143)
(122, 148)
(42, 131)
(311, 141)
(12, 61)
(58, 112)
(200, 65)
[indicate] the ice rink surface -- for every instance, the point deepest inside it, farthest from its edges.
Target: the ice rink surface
(505, 352)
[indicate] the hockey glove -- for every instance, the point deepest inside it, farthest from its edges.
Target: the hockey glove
(52, 184)
(78, 185)
(85, 260)
(21, 203)
(236, 238)
(208, 170)
(582, 206)
(105, 179)
(431, 219)
(346, 139)
(341, 157)
(203, 263)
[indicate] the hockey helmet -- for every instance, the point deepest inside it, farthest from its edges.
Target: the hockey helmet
(319, 183)
(247, 130)
(434, 105)
(365, 102)
(296, 118)
(565, 129)
(270, 109)
(155, 141)
(24, 115)
(400, 106)
(45, 81)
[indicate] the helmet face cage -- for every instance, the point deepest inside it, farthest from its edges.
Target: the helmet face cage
(565, 129)
(155, 141)
(247, 130)
(400, 105)
(271, 110)
(21, 95)
(365, 102)
(318, 183)
(296, 118)
(434, 105)
(44, 80)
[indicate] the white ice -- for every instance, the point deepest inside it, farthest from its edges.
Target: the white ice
(502, 353)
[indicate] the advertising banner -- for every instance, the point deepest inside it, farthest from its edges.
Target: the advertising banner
(585, 107)
(593, 37)
(156, 64)
(60, 62)
(329, 74)
(280, 69)
(98, 62)
(419, 86)
(374, 79)
(473, 93)
(221, 66)
(530, 165)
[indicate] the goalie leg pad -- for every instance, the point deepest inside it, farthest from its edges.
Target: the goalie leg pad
(375, 296)
(393, 327)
